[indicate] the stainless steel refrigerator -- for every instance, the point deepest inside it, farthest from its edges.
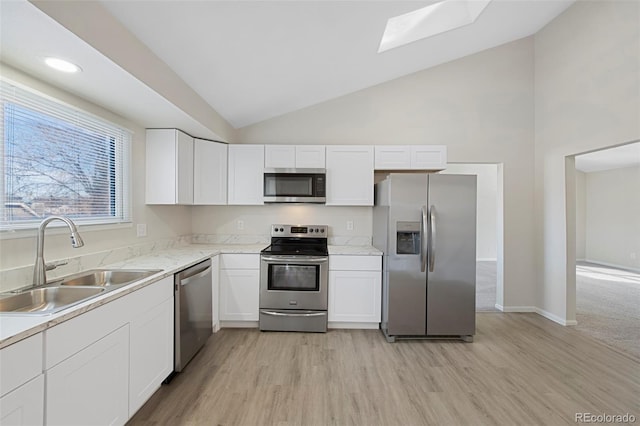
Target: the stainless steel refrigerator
(425, 224)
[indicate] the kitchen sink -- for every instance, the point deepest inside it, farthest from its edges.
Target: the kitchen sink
(45, 300)
(106, 277)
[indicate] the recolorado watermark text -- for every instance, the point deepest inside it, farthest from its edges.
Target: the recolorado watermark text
(604, 418)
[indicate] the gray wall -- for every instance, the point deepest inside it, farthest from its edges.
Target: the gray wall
(587, 97)
(480, 106)
(612, 217)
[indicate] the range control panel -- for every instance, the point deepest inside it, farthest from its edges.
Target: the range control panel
(299, 231)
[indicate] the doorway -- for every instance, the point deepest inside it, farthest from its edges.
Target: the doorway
(489, 227)
(607, 246)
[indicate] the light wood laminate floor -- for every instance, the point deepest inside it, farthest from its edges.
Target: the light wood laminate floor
(521, 370)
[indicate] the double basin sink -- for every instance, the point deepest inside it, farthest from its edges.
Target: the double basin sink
(71, 290)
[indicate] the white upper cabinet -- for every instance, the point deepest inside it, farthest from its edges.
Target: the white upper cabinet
(169, 167)
(209, 172)
(410, 157)
(246, 174)
(294, 156)
(349, 175)
(279, 156)
(310, 156)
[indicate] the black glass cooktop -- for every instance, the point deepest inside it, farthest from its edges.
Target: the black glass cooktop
(293, 246)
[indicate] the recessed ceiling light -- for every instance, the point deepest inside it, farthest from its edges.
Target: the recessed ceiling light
(429, 21)
(62, 65)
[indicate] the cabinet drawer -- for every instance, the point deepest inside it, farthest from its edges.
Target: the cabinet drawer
(240, 261)
(71, 336)
(20, 362)
(355, 263)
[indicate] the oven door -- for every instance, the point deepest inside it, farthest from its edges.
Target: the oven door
(294, 282)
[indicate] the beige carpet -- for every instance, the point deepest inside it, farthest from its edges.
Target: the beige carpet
(608, 305)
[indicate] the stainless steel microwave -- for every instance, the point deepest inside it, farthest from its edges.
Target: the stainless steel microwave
(295, 186)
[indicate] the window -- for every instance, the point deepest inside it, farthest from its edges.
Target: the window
(59, 160)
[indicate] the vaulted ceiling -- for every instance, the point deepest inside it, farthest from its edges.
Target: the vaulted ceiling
(247, 61)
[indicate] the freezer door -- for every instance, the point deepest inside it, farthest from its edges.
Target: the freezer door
(451, 263)
(404, 285)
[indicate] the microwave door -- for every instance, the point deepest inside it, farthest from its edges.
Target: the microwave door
(292, 188)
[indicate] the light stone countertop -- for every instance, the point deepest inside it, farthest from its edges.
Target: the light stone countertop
(15, 327)
(354, 250)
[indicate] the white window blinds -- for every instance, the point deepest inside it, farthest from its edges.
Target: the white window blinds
(57, 159)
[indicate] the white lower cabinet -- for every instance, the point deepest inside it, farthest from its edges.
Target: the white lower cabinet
(151, 353)
(24, 406)
(215, 293)
(355, 285)
(239, 287)
(103, 365)
(92, 386)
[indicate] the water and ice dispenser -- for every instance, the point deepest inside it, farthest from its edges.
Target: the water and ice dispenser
(407, 237)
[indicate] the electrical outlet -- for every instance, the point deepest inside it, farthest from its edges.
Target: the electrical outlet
(349, 225)
(141, 230)
(240, 224)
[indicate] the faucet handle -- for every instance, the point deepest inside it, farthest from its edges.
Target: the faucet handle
(53, 265)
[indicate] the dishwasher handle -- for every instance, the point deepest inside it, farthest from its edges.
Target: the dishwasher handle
(193, 276)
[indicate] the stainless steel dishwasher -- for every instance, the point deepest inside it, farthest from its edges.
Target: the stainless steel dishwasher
(193, 314)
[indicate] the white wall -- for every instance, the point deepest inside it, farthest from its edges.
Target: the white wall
(613, 217)
(18, 249)
(480, 106)
(587, 97)
(486, 218)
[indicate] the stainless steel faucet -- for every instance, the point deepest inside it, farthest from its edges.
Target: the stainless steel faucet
(40, 268)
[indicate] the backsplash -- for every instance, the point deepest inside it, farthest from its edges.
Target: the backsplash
(11, 279)
(14, 278)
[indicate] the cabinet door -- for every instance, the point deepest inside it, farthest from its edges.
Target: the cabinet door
(151, 353)
(392, 157)
(354, 296)
(91, 387)
(20, 363)
(246, 174)
(24, 405)
(215, 293)
(428, 157)
(209, 173)
(239, 294)
(184, 168)
(310, 156)
(169, 167)
(350, 175)
(279, 156)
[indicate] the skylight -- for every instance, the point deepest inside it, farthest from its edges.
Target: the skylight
(429, 21)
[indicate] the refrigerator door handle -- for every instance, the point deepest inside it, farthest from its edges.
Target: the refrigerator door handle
(423, 240)
(432, 238)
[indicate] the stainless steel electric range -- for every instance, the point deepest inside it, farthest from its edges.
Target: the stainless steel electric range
(294, 279)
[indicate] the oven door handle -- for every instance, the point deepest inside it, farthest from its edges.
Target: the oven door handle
(293, 314)
(297, 259)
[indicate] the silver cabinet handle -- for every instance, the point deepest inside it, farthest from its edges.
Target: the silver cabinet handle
(293, 314)
(432, 239)
(187, 280)
(423, 240)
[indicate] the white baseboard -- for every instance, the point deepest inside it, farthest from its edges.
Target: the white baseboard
(515, 308)
(355, 325)
(555, 318)
(534, 309)
(238, 324)
(612, 265)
